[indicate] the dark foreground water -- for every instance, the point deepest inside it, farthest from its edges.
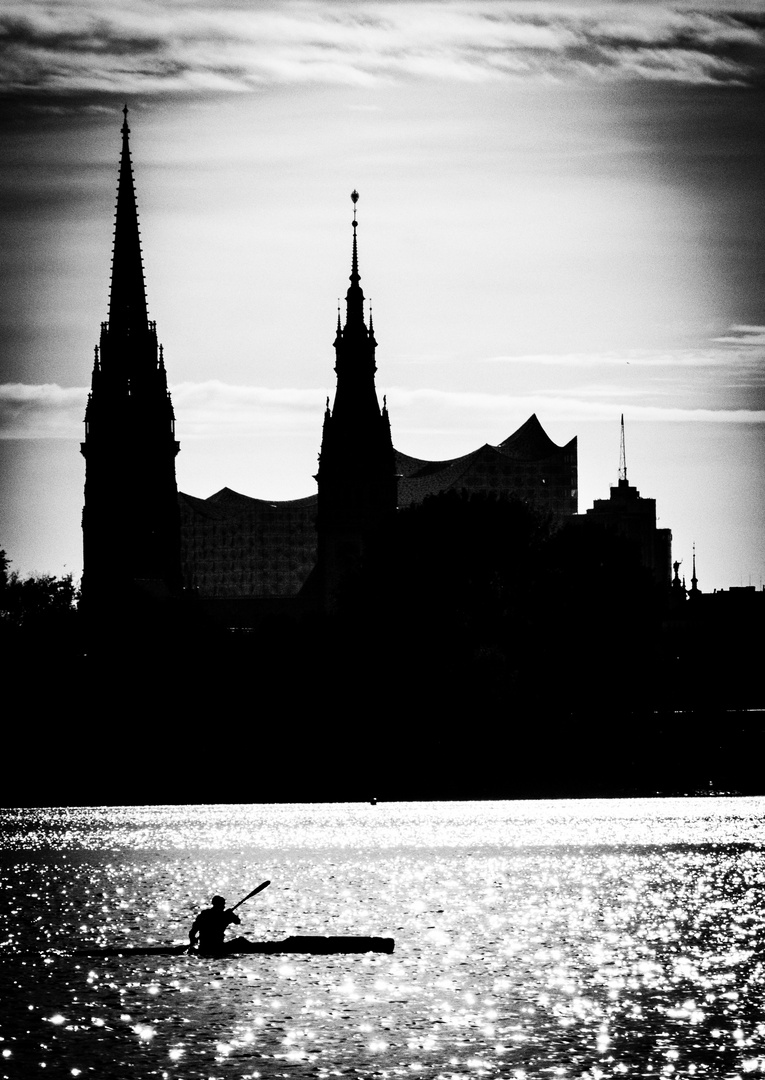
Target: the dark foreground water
(593, 939)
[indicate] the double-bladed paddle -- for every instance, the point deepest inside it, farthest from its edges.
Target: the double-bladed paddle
(263, 885)
(260, 888)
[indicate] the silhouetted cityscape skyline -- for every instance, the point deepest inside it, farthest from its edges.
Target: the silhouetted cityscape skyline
(551, 244)
(564, 633)
(547, 238)
(140, 535)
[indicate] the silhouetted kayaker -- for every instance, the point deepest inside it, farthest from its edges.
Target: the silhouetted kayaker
(210, 925)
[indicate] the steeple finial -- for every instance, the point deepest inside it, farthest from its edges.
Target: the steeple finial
(355, 297)
(127, 302)
(622, 457)
(355, 278)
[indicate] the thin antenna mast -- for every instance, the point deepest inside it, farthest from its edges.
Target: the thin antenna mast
(622, 457)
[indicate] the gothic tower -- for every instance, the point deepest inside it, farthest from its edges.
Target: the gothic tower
(130, 521)
(357, 471)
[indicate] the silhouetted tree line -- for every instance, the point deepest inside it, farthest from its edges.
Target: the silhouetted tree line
(37, 612)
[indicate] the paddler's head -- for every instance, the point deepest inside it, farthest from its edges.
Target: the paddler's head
(218, 902)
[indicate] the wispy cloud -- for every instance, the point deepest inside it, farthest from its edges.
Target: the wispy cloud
(742, 348)
(46, 411)
(437, 406)
(49, 412)
(215, 407)
(221, 410)
(81, 46)
(745, 338)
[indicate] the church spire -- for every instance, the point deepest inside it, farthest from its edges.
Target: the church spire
(694, 579)
(356, 397)
(130, 521)
(357, 471)
(354, 298)
(127, 301)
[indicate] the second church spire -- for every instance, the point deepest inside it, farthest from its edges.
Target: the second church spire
(354, 298)
(357, 474)
(355, 398)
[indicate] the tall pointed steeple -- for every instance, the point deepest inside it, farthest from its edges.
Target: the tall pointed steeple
(354, 298)
(694, 580)
(356, 397)
(127, 303)
(131, 529)
(357, 475)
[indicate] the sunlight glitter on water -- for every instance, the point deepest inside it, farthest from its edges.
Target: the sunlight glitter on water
(581, 958)
(282, 827)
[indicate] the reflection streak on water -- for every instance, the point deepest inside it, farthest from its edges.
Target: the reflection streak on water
(525, 945)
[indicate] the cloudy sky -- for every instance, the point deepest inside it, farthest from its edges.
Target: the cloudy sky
(561, 212)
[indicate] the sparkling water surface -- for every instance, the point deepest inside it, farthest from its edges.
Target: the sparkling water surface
(533, 939)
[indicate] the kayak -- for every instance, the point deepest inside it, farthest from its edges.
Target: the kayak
(318, 945)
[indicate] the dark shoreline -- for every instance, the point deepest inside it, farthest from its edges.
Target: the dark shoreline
(318, 718)
(687, 756)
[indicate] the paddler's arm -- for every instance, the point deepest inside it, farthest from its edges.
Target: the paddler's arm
(194, 932)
